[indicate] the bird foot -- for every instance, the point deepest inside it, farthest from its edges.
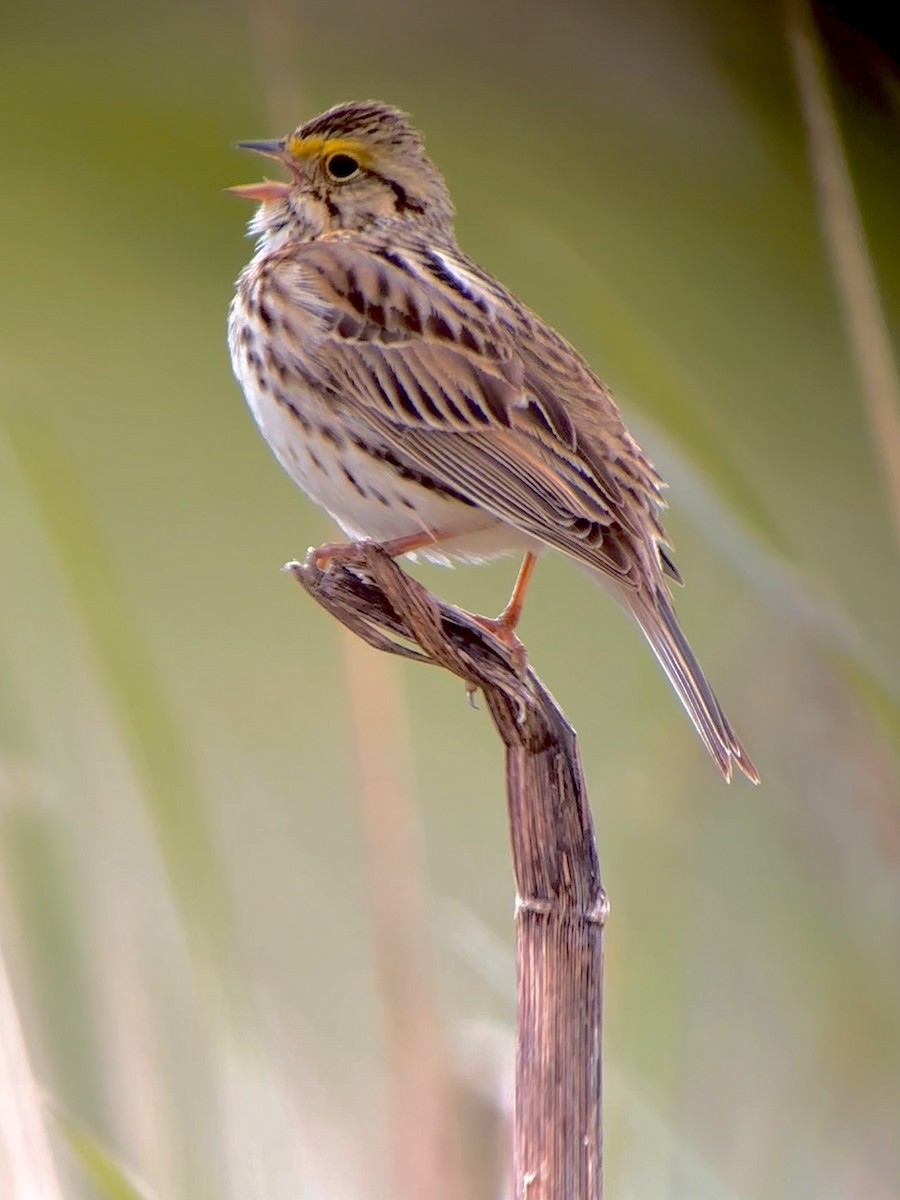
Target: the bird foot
(325, 556)
(503, 629)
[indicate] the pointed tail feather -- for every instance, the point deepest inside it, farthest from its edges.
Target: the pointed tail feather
(656, 617)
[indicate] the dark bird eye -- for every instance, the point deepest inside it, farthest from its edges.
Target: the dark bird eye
(342, 166)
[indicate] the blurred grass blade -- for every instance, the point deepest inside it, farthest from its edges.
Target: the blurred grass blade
(850, 259)
(655, 1150)
(27, 1170)
(137, 697)
(52, 932)
(111, 1180)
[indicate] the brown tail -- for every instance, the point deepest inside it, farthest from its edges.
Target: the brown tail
(656, 617)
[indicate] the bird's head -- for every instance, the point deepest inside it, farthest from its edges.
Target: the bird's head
(358, 166)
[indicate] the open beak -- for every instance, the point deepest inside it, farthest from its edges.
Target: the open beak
(268, 189)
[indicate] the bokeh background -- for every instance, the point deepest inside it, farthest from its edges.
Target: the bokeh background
(210, 802)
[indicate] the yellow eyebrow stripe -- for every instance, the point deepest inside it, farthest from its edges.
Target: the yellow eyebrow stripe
(320, 147)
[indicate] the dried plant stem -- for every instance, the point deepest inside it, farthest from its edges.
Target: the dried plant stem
(850, 259)
(561, 906)
(560, 912)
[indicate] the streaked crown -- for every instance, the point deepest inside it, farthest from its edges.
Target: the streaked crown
(367, 122)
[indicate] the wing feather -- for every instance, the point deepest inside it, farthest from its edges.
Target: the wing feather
(441, 374)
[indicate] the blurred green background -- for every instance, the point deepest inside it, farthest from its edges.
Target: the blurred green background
(188, 915)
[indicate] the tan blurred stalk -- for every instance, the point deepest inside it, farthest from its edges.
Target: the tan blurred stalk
(275, 29)
(419, 1119)
(27, 1170)
(419, 1114)
(846, 243)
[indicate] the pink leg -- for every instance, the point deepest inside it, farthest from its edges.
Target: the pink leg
(504, 626)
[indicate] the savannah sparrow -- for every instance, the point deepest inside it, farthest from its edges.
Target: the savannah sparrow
(425, 407)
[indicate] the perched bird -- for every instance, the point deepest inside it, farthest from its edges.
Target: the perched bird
(422, 405)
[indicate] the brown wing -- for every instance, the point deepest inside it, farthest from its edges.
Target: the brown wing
(463, 383)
